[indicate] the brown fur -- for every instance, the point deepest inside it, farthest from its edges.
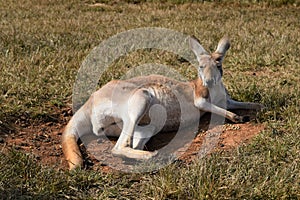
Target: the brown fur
(199, 89)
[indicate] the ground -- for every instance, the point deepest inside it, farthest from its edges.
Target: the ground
(44, 141)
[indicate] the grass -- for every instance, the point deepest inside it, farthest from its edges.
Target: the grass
(42, 45)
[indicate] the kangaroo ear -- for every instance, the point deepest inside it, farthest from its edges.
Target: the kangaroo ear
(223, 46)
(221, 50)
(196, 47)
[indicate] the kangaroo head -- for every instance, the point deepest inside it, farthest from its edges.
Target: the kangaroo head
(210, 65)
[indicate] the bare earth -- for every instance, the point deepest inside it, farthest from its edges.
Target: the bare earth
(43, 141)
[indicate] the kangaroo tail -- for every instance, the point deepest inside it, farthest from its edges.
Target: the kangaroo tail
(70, 147)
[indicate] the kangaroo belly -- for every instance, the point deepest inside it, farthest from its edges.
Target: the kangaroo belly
(170, 109)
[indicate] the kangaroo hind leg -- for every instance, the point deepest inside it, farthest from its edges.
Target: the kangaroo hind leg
(135, 108)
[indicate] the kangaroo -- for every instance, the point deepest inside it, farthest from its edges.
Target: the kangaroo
(129, 104)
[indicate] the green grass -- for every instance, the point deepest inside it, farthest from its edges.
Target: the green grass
(42, 45)
(24, 178)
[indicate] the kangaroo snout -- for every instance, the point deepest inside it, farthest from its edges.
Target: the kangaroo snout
(210, 82)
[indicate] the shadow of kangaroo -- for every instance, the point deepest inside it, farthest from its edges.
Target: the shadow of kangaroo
(138, 101)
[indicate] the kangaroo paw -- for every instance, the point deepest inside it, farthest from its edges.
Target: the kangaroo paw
(241, 119)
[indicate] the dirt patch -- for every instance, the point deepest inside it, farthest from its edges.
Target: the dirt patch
(44, 141)
(41, 140)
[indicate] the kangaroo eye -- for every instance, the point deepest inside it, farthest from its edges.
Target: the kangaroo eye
(201, 67)
(219, 59)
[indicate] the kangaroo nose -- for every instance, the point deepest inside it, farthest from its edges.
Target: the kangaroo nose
(210, 82)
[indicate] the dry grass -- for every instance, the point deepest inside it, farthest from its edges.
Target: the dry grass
(42, 45)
